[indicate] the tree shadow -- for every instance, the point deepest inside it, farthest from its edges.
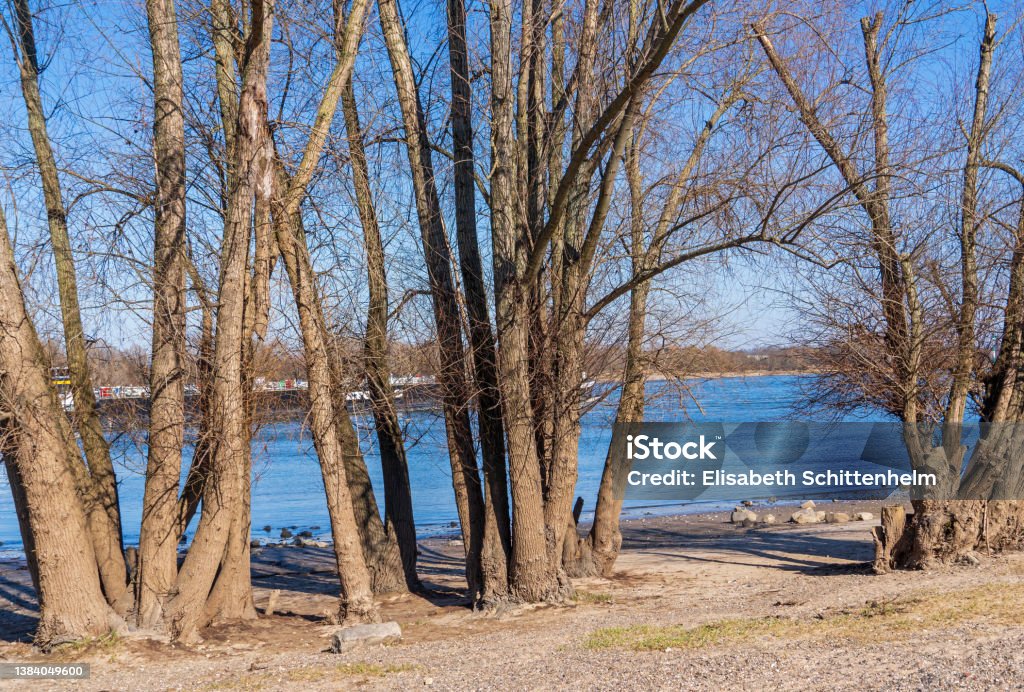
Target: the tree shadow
(19, 612)
(791, 549)
(314, 571)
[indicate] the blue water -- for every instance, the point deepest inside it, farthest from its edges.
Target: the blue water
(288, 491)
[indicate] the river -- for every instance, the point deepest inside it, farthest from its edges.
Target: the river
(287, 490)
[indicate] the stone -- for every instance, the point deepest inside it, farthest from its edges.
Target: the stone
(805, 516)
(769, 519)
(837, 517)
(747, 503)
(748, 523)
(864, 516)
(807, 505)
(348, 638)
(740, 515)
(286, 533)
(970, 559)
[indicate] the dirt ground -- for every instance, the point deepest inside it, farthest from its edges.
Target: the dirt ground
(696, 603)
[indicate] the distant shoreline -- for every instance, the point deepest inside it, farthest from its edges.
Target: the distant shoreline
(712, 375)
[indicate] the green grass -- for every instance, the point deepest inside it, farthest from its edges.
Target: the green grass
(874, 621)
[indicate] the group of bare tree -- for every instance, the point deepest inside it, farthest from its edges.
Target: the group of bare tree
(590, 151)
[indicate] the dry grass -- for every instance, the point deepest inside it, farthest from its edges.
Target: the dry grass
(1001, 604)
(343, 673)
(591, 598)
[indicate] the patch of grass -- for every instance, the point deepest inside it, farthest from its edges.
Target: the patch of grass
(372, 669)
(875, 621)
(90, 645)
(653, 638)
(588, 597)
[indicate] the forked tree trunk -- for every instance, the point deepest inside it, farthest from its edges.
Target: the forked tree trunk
(158, 539)
(394, 464)
(380, 544)
(356, 603)
(531, 576)
(223, 529)
(497, 541)
(99, 486)
(37, 443)
(452, 375)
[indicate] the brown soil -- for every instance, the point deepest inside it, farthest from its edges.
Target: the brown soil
(696, 603)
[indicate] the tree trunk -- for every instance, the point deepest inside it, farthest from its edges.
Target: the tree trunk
(397, 487)
(223, 528)
(530, 573)
(158, 539)
(71, 599)
(356, 603)
(452, 374)
(497, 541)
(99, 487)
(380, 544)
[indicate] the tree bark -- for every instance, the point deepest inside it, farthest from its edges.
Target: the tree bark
(223, 531)
(452, 374)
(158, 539)
(380, 544)
(397, 487)
(497, 542)
(356, 603)
(72, 604)
(531, 576)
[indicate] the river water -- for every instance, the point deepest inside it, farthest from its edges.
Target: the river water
(287, 490)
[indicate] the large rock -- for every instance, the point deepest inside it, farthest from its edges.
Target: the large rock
(864, 516)
(740, 515)
(837, 517)
(805, 516)
(769, 519)
(349, 638)
(807, 505)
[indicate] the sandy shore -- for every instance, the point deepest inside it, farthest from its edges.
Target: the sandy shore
(696, 603)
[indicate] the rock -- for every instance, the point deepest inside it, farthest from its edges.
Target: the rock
(805, 516)
(267, 529)
(349, 638)
(820, 515)
(305, 534)
(864, 516)
(769, 518)
(747, 503)
(255, 544)
(285, 533)
(837, 517)
(748, 523)
(740, 515)
(807, 505)
(970, 558)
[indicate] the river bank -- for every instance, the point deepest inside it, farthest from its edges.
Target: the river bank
(696, 602)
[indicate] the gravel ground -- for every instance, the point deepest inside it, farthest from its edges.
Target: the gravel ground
(843, 627)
